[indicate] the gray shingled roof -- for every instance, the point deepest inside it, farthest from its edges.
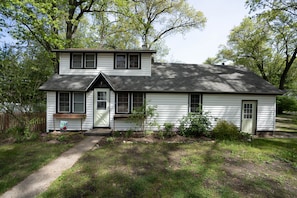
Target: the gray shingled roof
(68, 83)
(176, 78)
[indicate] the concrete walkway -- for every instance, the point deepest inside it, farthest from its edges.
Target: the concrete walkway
(40, 180)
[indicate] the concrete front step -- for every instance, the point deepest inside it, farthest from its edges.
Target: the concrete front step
(98, 132)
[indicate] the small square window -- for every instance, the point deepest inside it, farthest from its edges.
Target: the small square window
(120, 61)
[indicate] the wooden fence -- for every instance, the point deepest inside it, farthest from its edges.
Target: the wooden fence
(36, 121)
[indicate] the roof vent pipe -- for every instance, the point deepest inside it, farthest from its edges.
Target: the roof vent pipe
(144, 46)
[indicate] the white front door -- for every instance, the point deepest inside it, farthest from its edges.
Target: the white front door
(101, 107)
(248, 118)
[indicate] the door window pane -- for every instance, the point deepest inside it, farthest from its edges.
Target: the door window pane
(101, 105)
(248, 111)
(101, 100)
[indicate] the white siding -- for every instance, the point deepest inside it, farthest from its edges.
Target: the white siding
(119, 124)
(50, 110)
(228, 107)
(170, 107)
(73, 124)
(105, 64)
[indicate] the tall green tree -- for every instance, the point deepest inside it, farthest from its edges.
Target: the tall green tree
(281, 17)
(267, 42)
(156, 19)
(51, 23)
(22, 71)
(99, 23)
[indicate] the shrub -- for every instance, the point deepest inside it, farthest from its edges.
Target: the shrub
(129, 133)
(194, 124)
(225, 130)
(166, 132)
(286, 103)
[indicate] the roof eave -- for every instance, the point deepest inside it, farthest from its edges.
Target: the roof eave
(105, 51)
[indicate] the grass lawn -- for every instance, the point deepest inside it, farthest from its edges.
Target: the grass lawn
(262, 168)
(19, 160)
(286, 123)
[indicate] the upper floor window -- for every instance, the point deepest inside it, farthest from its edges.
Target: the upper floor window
(134, 61)
(83, 60)
(127, 61)
(121, 61)
(195, 102)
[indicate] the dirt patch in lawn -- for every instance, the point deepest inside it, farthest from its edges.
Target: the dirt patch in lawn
(239, 173)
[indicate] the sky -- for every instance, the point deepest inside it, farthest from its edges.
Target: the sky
(197, 45)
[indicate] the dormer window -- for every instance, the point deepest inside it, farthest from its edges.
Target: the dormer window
(127, 61)
(83, 60)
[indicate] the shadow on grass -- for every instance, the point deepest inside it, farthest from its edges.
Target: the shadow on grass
(161, 170)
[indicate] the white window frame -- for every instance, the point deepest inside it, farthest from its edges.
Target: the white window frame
(81, 63)
(132, 100)
(116, 61)
(94, 60)
(69, 102)
(117, 107)
(129, 61)
(83, 102)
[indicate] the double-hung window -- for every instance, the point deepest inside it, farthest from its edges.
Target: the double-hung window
(78, 102)
(64, 102)
(127, 61)
(120, 62)
(71, 102)
(83, 60)
(134, 62)
(137, 101)
(90, 60)
(195, 102)
(127, 102)
(123, 102)
(77, 60)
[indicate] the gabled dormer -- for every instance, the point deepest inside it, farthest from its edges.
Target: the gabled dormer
(111, 62)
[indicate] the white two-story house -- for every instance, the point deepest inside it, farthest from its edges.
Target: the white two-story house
(95, 88)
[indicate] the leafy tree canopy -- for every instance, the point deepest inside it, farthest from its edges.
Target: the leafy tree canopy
(266, 42)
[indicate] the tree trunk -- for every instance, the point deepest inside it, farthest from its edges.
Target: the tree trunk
(286, 70)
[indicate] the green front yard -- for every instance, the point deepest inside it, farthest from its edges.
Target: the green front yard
(263, 168)
(19, 160)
